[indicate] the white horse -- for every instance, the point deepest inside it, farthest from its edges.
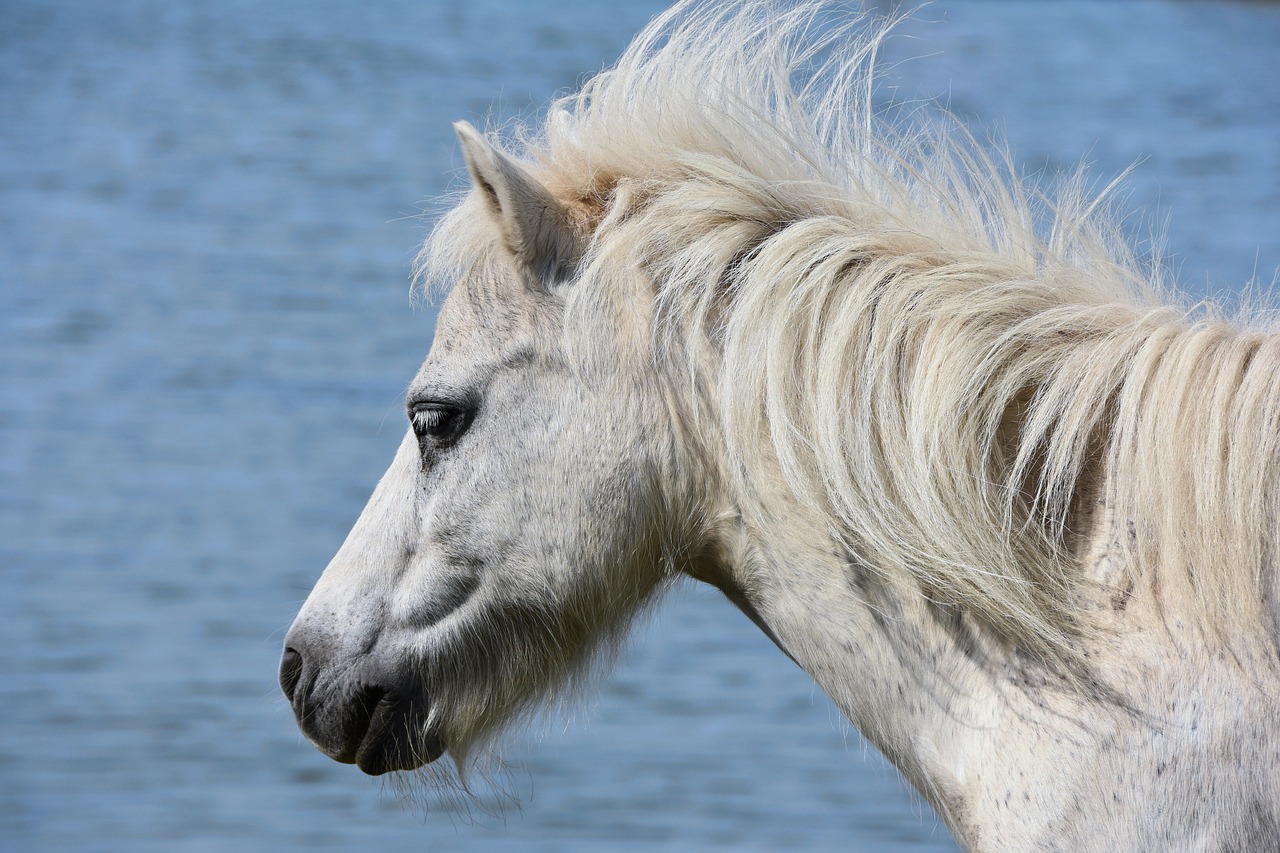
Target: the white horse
(943, 440)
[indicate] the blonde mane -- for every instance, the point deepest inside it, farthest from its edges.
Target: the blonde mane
(979, 386)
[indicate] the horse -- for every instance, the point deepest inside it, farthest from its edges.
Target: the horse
(941, 435)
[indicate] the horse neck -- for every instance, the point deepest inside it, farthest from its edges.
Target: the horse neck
(873, 650)
(907, 683)
(1011, 759)
(963, 715)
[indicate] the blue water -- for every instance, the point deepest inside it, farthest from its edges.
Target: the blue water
(207, 212)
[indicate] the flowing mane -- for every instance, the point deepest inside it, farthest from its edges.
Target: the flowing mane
(981, 387)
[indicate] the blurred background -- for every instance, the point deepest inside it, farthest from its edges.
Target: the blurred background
(207, 214)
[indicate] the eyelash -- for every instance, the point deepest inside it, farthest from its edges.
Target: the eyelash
(438, 424)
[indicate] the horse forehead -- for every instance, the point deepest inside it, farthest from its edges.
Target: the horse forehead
(483, 316)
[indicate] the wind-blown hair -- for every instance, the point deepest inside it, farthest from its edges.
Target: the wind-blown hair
(980, 387)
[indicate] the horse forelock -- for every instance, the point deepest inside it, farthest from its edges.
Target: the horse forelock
(944, 361)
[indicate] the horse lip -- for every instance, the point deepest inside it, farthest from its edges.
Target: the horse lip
(385, 738)
(378, 725)
(358, 725)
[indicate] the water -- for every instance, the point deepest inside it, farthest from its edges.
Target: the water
(207, 212)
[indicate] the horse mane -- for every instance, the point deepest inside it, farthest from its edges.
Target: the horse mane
(957, 370)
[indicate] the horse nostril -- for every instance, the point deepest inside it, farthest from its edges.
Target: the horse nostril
(290, 672)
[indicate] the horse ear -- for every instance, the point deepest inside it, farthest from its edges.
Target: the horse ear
(534, 225)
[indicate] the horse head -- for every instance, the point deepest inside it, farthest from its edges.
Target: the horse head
(531, 510)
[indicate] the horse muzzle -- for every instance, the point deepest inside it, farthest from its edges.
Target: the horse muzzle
(360, 713)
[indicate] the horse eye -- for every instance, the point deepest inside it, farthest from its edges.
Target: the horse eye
(438, 424)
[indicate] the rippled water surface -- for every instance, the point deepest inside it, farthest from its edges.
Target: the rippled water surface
(206, 216)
